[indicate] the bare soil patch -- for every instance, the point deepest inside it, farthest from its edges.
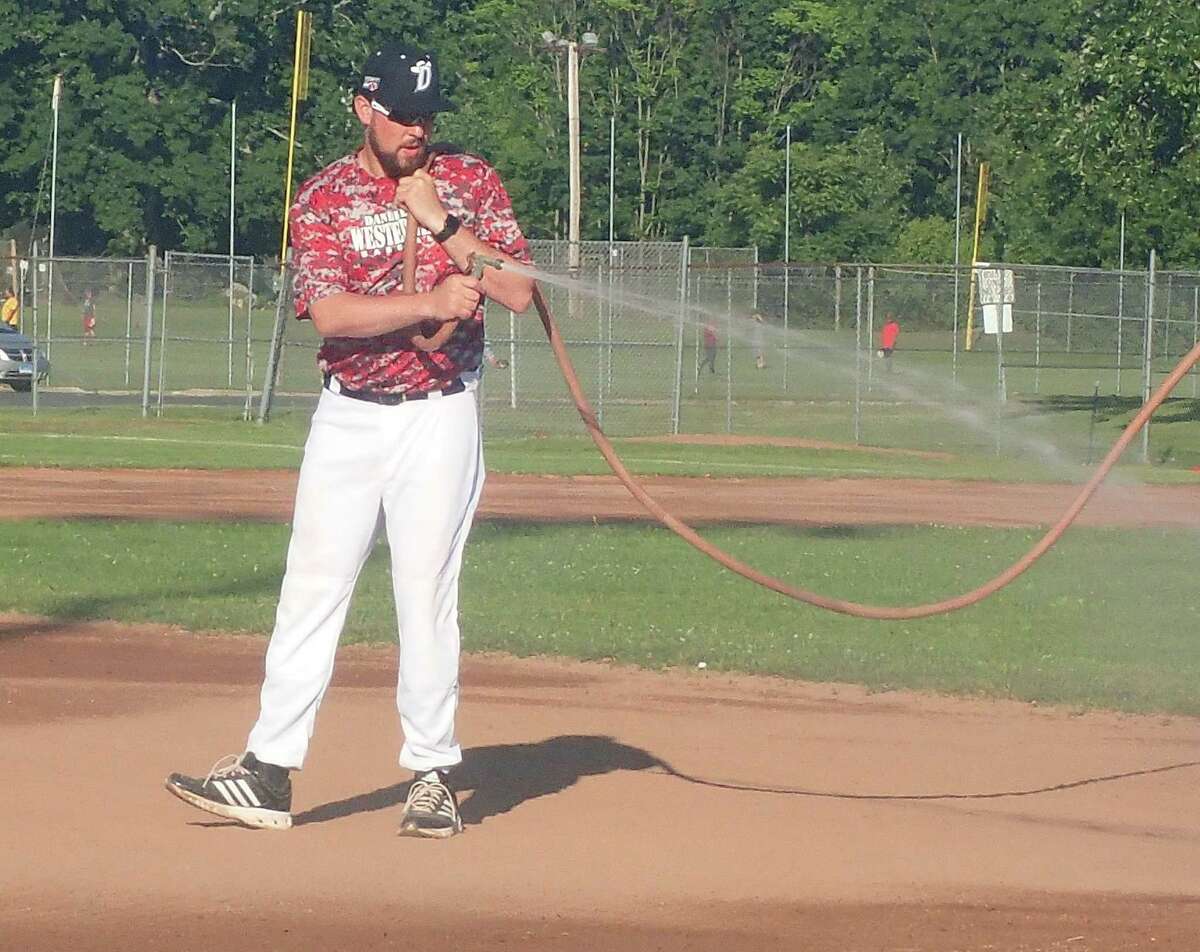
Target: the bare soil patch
(213, 495)
(607, 808)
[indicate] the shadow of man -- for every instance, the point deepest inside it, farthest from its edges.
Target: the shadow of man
(503, 776)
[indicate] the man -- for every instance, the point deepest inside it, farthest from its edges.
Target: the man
(760, 350)
(888, 336)
(492, 359)
(710, 348)
(10, 311)
(396, 428)
(89, 314)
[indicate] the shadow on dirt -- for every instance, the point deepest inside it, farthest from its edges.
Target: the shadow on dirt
(503, 776)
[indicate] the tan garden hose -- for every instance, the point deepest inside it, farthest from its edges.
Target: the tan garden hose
(858, 609)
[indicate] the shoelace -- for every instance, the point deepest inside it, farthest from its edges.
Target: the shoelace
(228, 766)
(428, 796)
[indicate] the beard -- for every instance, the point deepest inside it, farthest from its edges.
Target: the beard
(392, 164)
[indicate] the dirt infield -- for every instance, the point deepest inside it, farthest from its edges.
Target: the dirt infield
(209, 495)
(607, 809)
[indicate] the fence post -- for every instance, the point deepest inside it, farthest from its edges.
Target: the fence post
(1037, 342)
(34, 265)
(1195, 328)
(1070, 307)
(128, 321)
(787, 337)
(1147, 346)
(683, 283)
(1120, 307)
(837, 297)
(248, 408)
(512, 360)
(268, 392)
(1166, 347)
(729, 350)
(870, 327)
(600, 346)
(162, 336)
(755, 306)
(857, 354)
(151, 264)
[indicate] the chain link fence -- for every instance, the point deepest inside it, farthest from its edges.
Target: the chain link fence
(667, 339)
(147, 332)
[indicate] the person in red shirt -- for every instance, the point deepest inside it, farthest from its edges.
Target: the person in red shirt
(888, 335)
(89, 314)
(396, 431)
(709, 335)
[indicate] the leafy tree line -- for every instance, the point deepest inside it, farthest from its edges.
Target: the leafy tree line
(1084, 108)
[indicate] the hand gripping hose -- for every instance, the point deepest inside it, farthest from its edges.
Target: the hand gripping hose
(858, 609)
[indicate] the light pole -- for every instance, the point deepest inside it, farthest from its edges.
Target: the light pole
(588, 43)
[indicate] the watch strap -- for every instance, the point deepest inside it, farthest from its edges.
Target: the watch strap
(448, 229)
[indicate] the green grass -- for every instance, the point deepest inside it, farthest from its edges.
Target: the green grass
(1082, 629)
(219, 439)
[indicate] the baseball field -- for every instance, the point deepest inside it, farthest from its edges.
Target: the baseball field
(658, 755)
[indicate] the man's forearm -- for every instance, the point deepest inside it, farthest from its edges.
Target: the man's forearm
(514, 291)
(368, 315)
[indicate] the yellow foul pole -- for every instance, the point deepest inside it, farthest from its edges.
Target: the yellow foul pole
(981, 197)
(299, 91)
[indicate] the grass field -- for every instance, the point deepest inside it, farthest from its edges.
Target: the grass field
(219, 439)
(1107, 620)
(1081, 629)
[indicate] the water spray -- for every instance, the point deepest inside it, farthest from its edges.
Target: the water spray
(857, 609)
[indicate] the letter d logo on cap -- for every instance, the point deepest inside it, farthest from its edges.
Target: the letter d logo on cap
(423, 70)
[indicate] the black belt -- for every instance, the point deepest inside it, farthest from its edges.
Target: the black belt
(392, 399)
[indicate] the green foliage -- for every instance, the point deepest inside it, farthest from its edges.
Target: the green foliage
(1084, 109)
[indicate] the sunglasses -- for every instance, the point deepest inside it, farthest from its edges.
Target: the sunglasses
(403, 118)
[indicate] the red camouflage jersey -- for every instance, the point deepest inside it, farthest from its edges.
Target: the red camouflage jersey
(348, 236)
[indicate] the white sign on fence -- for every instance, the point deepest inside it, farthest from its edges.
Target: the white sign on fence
(997, 295)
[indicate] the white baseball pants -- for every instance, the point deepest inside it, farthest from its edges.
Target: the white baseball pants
(421, 462)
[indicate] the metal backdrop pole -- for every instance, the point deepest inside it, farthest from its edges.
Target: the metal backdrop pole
(151, 254)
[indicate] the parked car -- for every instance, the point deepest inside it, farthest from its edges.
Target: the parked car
(17, 359)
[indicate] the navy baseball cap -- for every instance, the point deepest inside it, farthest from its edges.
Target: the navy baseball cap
(403, 80)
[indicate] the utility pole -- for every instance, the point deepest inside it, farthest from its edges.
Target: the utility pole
(575, 50)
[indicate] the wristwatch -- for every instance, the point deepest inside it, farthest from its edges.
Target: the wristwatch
(448, 230)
